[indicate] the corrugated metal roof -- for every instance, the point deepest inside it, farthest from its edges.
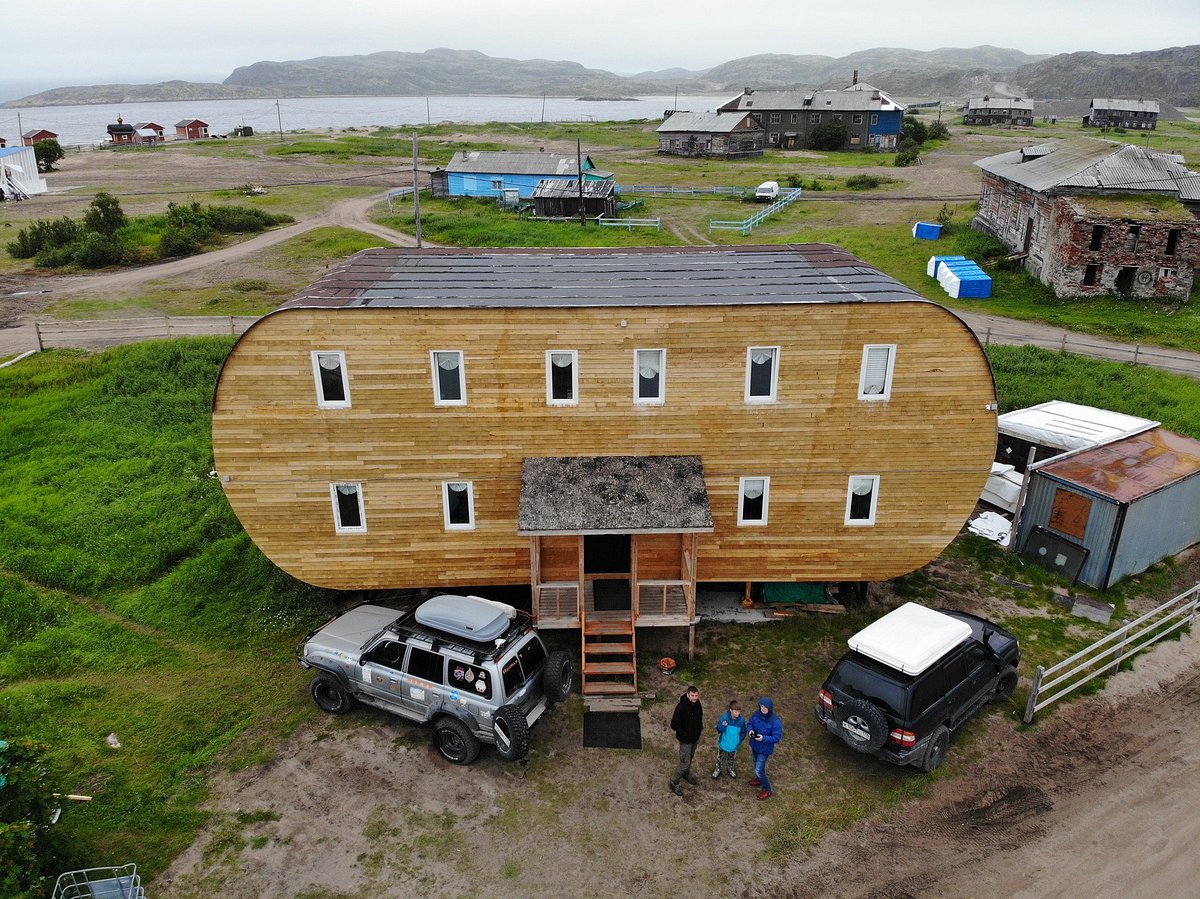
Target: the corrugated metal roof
(1125, 105)
(651, 276)
(835, 101)
(559, 187)
(589, 494)
(714, 122)
(1095, 165)
(999, 103)
(502, 162)
(1129, 469)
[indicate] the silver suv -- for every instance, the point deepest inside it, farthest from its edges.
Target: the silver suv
(474, 668)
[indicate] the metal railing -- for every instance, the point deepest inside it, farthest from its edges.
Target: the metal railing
(745, 227)
(629, 224)
(667, 190)
(1105, 655)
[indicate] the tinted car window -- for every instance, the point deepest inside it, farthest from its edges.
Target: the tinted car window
(511, 673)
(471, 679)
(937, 683)
(425, 665)
(861, 681)
(531, 655)
(388, 653)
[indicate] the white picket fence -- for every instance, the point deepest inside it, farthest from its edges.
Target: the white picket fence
(786, 199)
(1105, 655)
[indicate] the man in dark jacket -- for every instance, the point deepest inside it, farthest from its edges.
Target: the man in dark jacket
(688, 724)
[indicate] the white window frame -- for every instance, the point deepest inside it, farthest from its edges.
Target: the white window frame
(437, 383)
(323, 403)
(661, 399)
(856, 118)
(862, 522)
(550, 399)
(874, 118)
(773, 396)
(338, 527)
(766, 501)
(887, 381)
(470, 525)
(776, 118)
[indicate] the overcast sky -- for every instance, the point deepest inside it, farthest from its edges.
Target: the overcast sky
(79, 42)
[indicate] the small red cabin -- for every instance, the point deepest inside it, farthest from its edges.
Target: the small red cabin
(29, 138)
(191, 129)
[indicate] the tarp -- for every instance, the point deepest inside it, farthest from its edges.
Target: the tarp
(1070, 426)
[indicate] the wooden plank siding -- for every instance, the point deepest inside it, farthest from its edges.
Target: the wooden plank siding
(277, 453)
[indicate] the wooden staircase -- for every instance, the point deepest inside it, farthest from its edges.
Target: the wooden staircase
(609, 655)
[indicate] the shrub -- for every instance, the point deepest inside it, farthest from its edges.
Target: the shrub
(938, 131)
(828, 137)
(905, 158)
(45, 235)
(27, 805)
(104, 215)
(96, 250)
(184, 240)
(234, 219)
(863, 182)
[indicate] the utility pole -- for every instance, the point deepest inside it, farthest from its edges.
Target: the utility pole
(416, 191)
(279, 118)
(579, 170)
(428, 120)
(20, 129)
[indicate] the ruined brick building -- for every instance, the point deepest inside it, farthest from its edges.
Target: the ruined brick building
(1092, 217)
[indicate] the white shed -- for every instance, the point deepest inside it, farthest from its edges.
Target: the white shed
(19, 178)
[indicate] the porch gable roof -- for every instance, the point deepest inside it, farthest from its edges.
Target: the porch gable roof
(613, 494)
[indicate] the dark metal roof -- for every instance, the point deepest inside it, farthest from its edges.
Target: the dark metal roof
(1129, 469)
(646, 276)
(183, 123)
(713, 122)
(621, 494)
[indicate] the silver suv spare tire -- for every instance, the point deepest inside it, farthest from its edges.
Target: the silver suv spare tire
(861, 725)
(511, 733)
(557, 678)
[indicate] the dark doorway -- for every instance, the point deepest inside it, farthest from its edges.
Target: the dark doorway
(1028, 235)
(606, 554)
(1125, 280)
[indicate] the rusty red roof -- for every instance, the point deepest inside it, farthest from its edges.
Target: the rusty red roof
(1129, 469)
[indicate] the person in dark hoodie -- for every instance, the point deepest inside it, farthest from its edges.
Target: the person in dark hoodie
(766, 730)
(688, 724)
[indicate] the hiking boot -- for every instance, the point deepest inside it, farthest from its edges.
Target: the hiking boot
(676, 788)
(764, 794)
(691, 778)
(730, 771)
(755, 782)
(717, 772)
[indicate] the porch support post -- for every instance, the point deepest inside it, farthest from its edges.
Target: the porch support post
(535, 576)
(580, 601)
(690, 543)
(633, 576)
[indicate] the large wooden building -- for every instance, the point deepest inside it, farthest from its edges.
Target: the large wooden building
(610, 426)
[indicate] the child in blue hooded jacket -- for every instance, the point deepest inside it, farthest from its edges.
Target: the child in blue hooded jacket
(766, 730)
(731, 730)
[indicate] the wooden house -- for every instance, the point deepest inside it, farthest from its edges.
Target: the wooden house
(1106, 112)
(998, 111)
(120, 133)
(792, 117)
(608, 426)
(1091, 217)
(191, 129)
(730, 135)
(487, 173)
(31, 137)
(557, 197)
(148, 133)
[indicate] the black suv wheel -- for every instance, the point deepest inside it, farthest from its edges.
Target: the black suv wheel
(862, 725)
(936, 753)
(455, 741)
(330, 694)
(558, 676)
(511, 733)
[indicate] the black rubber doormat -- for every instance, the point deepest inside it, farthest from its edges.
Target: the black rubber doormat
(612, 730)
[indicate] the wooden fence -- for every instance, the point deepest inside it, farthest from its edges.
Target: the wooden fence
(1105, 656)
(90, 335)
(747, 225)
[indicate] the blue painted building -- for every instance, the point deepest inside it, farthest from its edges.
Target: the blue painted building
(472, 173)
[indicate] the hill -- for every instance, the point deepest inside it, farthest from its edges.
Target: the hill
(136, 93)
(1172, 75)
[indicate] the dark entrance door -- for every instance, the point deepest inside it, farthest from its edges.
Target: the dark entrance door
(606, 563)
(1125, 280)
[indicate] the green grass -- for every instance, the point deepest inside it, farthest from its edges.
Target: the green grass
(131, 602)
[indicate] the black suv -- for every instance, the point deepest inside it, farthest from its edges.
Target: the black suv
(914, 676)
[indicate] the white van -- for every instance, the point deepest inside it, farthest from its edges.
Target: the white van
(766, 192)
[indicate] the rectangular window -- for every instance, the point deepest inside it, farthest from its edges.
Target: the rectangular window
(1172, 241)
(776, 118)
(837, 116)
(1091, 276)
(795, 118)
(649, 377)
(762, 374)
(449, 378)
(856, 118)
(458, 505)
(878, 363)
(1131, 239)
(753, 495)
(1167, 273)
(1069, 513)
(814, 118)
(1097, 237)
(471, 679)
(349, 515)
(874, 118)
(562, 378)
(497, 184)
(425, 665)
(862, 496)
(333, 384)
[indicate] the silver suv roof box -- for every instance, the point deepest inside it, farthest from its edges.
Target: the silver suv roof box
(468, 617)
